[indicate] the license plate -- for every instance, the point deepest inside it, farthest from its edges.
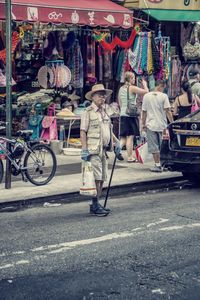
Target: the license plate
(193, 141)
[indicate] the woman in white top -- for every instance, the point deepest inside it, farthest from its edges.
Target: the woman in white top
(129, 126)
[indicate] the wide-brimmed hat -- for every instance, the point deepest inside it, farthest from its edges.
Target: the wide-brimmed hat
(74, 97)
(97, 88)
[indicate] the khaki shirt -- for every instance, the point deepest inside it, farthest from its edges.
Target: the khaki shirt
(104, 121)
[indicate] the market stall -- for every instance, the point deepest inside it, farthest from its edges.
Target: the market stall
(51, 55)
(59, 52)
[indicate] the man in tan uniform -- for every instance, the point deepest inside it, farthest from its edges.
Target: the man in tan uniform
(97, 138)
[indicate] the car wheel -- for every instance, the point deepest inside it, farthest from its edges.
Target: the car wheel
(193, 177)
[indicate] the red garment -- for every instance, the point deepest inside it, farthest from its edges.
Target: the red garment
(117, 42)
(15, 41)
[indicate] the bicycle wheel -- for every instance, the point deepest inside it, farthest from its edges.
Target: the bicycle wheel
(40, 164)
(1, 170)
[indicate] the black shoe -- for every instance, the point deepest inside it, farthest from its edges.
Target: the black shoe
(119, 156)
(106, 209)
(98, 211)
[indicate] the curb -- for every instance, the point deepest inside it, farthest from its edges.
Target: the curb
(117, 190)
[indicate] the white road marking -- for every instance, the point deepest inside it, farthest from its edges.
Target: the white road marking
(136, 229)
(22, 262)
(6, 266)
(19, 262)
(61, 247)
(13, 253)
(69, 245)
(158, 222)
(158, 291)
(180, 227)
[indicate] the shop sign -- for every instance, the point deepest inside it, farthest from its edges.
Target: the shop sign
(170, 4)
(69, 16)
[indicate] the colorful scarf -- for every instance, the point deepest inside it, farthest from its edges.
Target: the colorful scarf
(118, 42)
(15, 41)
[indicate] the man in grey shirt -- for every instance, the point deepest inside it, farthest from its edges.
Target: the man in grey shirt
(195, 82)
(155, 111)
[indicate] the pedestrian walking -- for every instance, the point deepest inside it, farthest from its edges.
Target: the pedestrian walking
(155, 111)
(129, 125)
(97, 138)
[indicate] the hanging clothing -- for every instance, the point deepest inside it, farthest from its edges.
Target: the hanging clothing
(138, 68)
(133, 54)
(150, 67)
(156, 56)
(144, 52)
(120, 64)
(78, 66)
(124, 66)
(100, 63)
(107, 68)
(175, 81)
(91, 61)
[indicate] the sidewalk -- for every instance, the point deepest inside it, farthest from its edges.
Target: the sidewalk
(68, 181)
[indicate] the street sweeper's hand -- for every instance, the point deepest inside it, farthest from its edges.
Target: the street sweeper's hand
(117, 148)
(85, 155)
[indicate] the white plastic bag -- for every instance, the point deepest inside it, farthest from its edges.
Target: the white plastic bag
(88, 186)
(141, 153)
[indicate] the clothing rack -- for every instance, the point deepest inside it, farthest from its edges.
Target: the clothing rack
(58, 61)
(141, 20)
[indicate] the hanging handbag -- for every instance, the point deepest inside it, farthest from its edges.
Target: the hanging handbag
(131, 110)
(49, 125)
(192, 52)
(35, 125)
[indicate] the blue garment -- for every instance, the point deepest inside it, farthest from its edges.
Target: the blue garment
(144, 53)
(120, 64)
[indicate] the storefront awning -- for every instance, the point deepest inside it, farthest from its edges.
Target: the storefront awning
(78, 12)
(174, 15)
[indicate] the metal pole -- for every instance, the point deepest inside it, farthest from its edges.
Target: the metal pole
(8, 87)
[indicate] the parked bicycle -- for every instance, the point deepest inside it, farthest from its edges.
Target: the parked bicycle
(36, 162)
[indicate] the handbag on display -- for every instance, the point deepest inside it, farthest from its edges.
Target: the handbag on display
(35, 124)
(190, 51)
(131, 110)
(49, 125)
(88, 186)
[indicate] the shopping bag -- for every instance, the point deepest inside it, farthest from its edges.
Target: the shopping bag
(141, 153)
(88, 186)
(195, 101)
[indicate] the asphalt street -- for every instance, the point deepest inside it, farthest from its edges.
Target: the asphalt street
(147, 248)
